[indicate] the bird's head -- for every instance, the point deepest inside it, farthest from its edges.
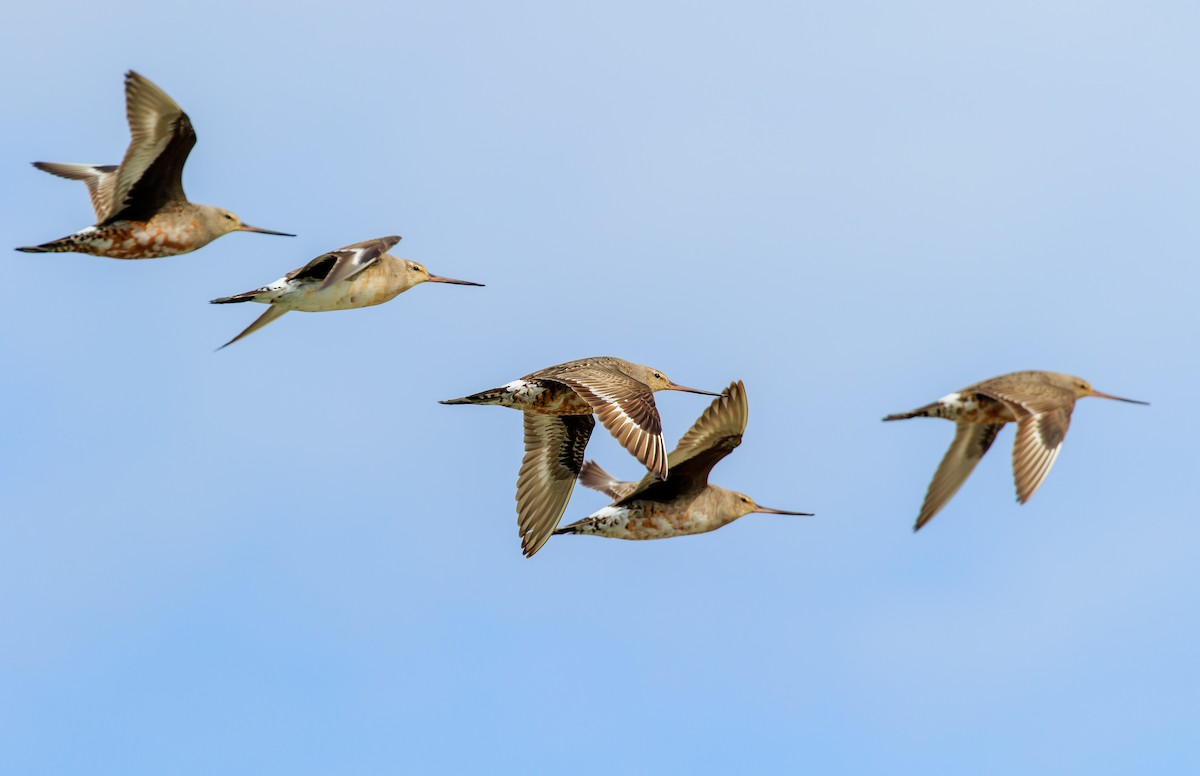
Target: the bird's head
(221, 221)
(415, 274)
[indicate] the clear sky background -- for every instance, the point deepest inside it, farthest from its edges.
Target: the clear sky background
(286, 557)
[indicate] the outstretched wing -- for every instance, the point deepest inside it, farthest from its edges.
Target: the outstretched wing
(1043, 415)
(592, 476)
(626, 408)
(344, 263)
(713, 436)
(151, 174)
(100, 179)
(554, 447)
(971, 441)
(273, 312)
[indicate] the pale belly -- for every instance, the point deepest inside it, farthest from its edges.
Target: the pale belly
(361, 292)
(655, 521)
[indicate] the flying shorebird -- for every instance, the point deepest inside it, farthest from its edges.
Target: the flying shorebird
(1040, 403)
(141, 210)
(358, 275)
(558, 403)
(685, 503)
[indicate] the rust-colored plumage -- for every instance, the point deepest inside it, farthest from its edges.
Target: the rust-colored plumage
(684, 503)
(141, 210)
(1040, 403)
(558, 403)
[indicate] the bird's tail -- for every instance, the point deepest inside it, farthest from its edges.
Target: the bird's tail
(492, 396)
(578, 527)
(61, 245)
(921, 412)
(248, 296)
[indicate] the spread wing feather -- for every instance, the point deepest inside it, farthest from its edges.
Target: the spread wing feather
(554, 448)
(712, 437)
(626, 408)
(151, 174)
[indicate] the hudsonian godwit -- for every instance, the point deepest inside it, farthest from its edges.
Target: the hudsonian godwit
(1040, 403)
(141, 210)
(558, 403)
(685, 503)
(358, 275)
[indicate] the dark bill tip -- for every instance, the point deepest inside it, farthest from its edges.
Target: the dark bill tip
(258, 230)
(440, 279)
(674, 387)
(769, 511)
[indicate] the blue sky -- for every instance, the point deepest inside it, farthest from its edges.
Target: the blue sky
(286, 557)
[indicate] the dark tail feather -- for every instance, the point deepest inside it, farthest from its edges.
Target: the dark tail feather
(920, 412)
(246, 297)
(61, 245)
(483, 397)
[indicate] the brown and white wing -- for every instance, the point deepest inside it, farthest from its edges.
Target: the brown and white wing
(344, 263)
(592, 476)
(100, 179)
(1043, 415)
(626, 408)
(713, 436)
(725, 418)
(151, 174)
(1039, 440)
(554, 447)
(971, 441)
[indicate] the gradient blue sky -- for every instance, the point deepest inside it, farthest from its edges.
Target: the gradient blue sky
(287, 558)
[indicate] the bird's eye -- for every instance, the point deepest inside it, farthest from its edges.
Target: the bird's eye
(228, 217)
(657, 376)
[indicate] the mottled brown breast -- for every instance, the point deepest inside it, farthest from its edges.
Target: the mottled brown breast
(141, 240)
